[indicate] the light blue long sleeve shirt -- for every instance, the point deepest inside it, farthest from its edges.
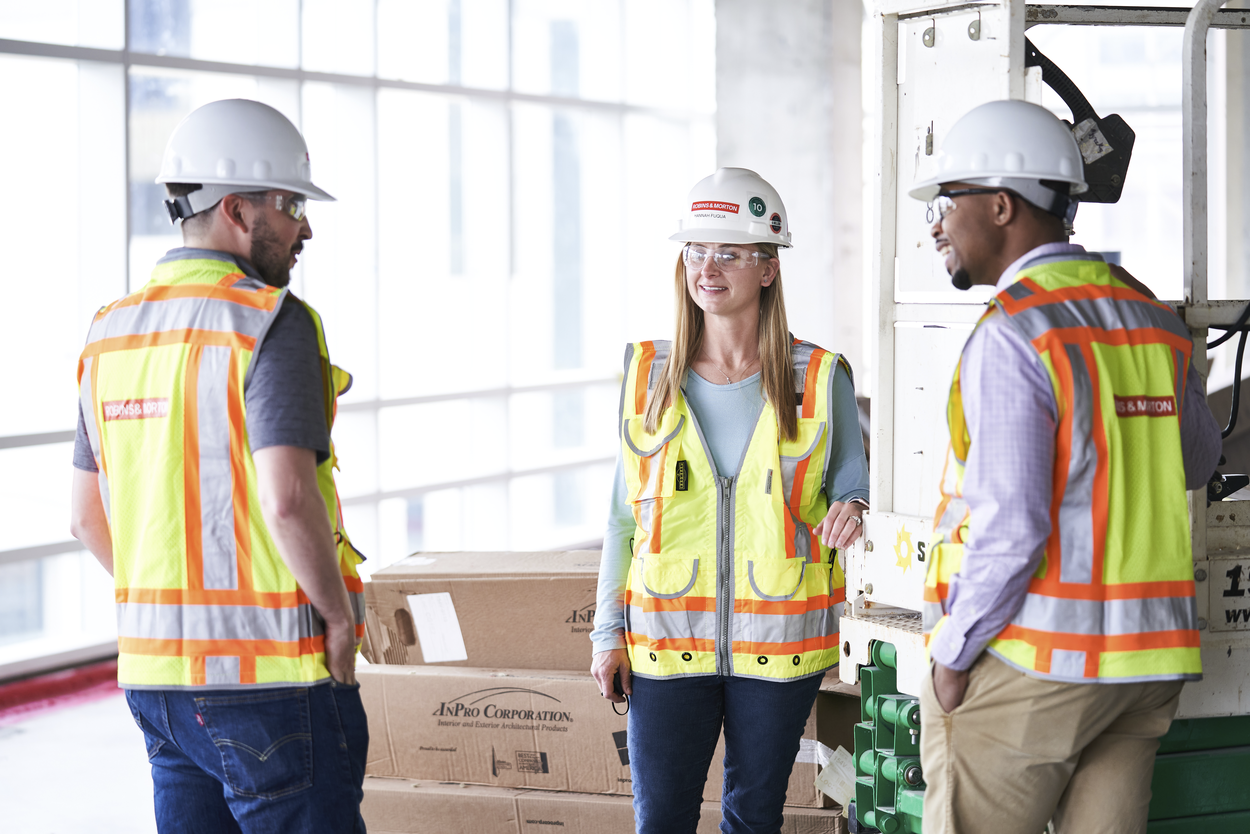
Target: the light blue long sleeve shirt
(727, 414)
(1011, 414)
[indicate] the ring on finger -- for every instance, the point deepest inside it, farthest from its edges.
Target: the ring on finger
(858, 521)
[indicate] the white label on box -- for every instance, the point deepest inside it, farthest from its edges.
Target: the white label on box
(812, 751)
(438, 627)
(837, 779)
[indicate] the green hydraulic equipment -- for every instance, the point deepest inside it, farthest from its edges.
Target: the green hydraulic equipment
(1200, 777)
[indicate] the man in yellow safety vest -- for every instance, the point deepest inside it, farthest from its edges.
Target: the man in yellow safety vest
(203, 483)
(1059, 601)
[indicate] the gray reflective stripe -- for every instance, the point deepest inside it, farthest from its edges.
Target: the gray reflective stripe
(646, 518)
(1058, 259)
(1076, 512)
(214, 314)
(629, 360)
(358, 605)
(221, 670)
(953, 516)
(216, 499)
(87, 402)
(190, 253)
(216, 622)
(694, 574)
(930, 614)
(774, 597)
(1080, 678)
(264, 331)
(802, 540)
(1019, 291)
(800, 356)
(787, 628)
(629, 441)
(1104, 313)
(672, 625)
(1182, 370)
(790, 465)
(1067, 663)
(1109, 617)
(662, 350)
(105, 497)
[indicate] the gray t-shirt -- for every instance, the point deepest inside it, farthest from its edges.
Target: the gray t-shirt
(283, 397)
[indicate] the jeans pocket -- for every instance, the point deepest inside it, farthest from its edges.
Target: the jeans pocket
(265, 740)
(154, 743)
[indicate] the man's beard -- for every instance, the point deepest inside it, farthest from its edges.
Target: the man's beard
(269, 258)
(961, 279)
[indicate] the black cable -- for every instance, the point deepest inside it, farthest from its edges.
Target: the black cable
(1241, 322)
(1232, 412)
(1058, 81)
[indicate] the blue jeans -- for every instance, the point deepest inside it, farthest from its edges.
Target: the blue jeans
(674, 724)
(260, 761)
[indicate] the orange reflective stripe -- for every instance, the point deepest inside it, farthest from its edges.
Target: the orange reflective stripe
(238, 478)
(810, 644)
(1051, 640)
(672, 644)
(189, 336)
(1137, 337)
(199, 675)
(221, 648)
(652, 604)
(1103, 593)
(211, 596)
(191, 469)
(223, 290)
(937, 593)
(1077, 292)
(247, 669)
(644, 374)
(809, 383)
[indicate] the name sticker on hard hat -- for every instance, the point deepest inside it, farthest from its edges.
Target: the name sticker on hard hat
(714, 205)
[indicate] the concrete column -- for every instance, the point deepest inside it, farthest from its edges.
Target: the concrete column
(788, 106)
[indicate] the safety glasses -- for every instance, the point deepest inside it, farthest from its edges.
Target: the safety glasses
(293, 206)
(726, 260)
(945, 204)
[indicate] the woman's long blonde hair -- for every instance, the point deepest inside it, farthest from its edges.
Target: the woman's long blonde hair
(776, 368)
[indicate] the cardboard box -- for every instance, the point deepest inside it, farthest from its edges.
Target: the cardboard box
(401, 806)
(494, 610)
(530, 729)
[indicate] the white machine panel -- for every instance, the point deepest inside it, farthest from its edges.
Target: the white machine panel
(892, 573)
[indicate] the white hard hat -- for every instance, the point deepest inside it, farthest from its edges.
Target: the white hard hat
(1009, 144)
(237, 145)
(734, 205)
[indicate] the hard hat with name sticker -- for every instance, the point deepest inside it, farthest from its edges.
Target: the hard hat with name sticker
(734, 205)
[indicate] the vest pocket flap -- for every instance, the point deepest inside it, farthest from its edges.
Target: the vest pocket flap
(645, 445)
(806, 440)
(776, 580)
(668, 577)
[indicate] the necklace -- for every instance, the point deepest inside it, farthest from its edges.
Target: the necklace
(728, 381)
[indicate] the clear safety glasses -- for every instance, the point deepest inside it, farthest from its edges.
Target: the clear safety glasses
(293, 206)
(945, 204)
(726, 260)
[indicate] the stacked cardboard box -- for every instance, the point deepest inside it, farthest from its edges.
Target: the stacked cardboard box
(480, 676)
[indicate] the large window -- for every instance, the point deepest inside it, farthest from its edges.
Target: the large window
(507, 173)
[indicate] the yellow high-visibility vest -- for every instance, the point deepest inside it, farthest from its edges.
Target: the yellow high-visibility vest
(1113, 599)
(727, 577)
(203, 597)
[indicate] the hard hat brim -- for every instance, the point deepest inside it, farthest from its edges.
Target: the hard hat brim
(309, 190)
(927, 190)
(728, 236)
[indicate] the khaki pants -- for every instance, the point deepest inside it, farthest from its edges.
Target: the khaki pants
(1020, 751)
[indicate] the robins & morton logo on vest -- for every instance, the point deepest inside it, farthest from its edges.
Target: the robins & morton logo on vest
(136, 409)
(714, 205)
(1145, 406)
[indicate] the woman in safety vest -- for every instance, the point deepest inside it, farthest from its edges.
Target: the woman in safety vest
(742, 466)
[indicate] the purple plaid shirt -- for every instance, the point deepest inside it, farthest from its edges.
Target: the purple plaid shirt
(1011, 414)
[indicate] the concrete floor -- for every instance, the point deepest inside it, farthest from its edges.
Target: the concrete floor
(74, 769)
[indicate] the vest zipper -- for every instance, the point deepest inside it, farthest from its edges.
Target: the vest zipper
(725, 559)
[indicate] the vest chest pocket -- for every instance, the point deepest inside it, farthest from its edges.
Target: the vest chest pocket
(777, 580)
(650, 460)
(668, 577)
(797, 456)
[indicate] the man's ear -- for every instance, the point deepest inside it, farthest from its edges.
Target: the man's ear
(1005, 208)
(234, 211)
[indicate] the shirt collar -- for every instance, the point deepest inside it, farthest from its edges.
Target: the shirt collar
(1009, 275)
(186, 253)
